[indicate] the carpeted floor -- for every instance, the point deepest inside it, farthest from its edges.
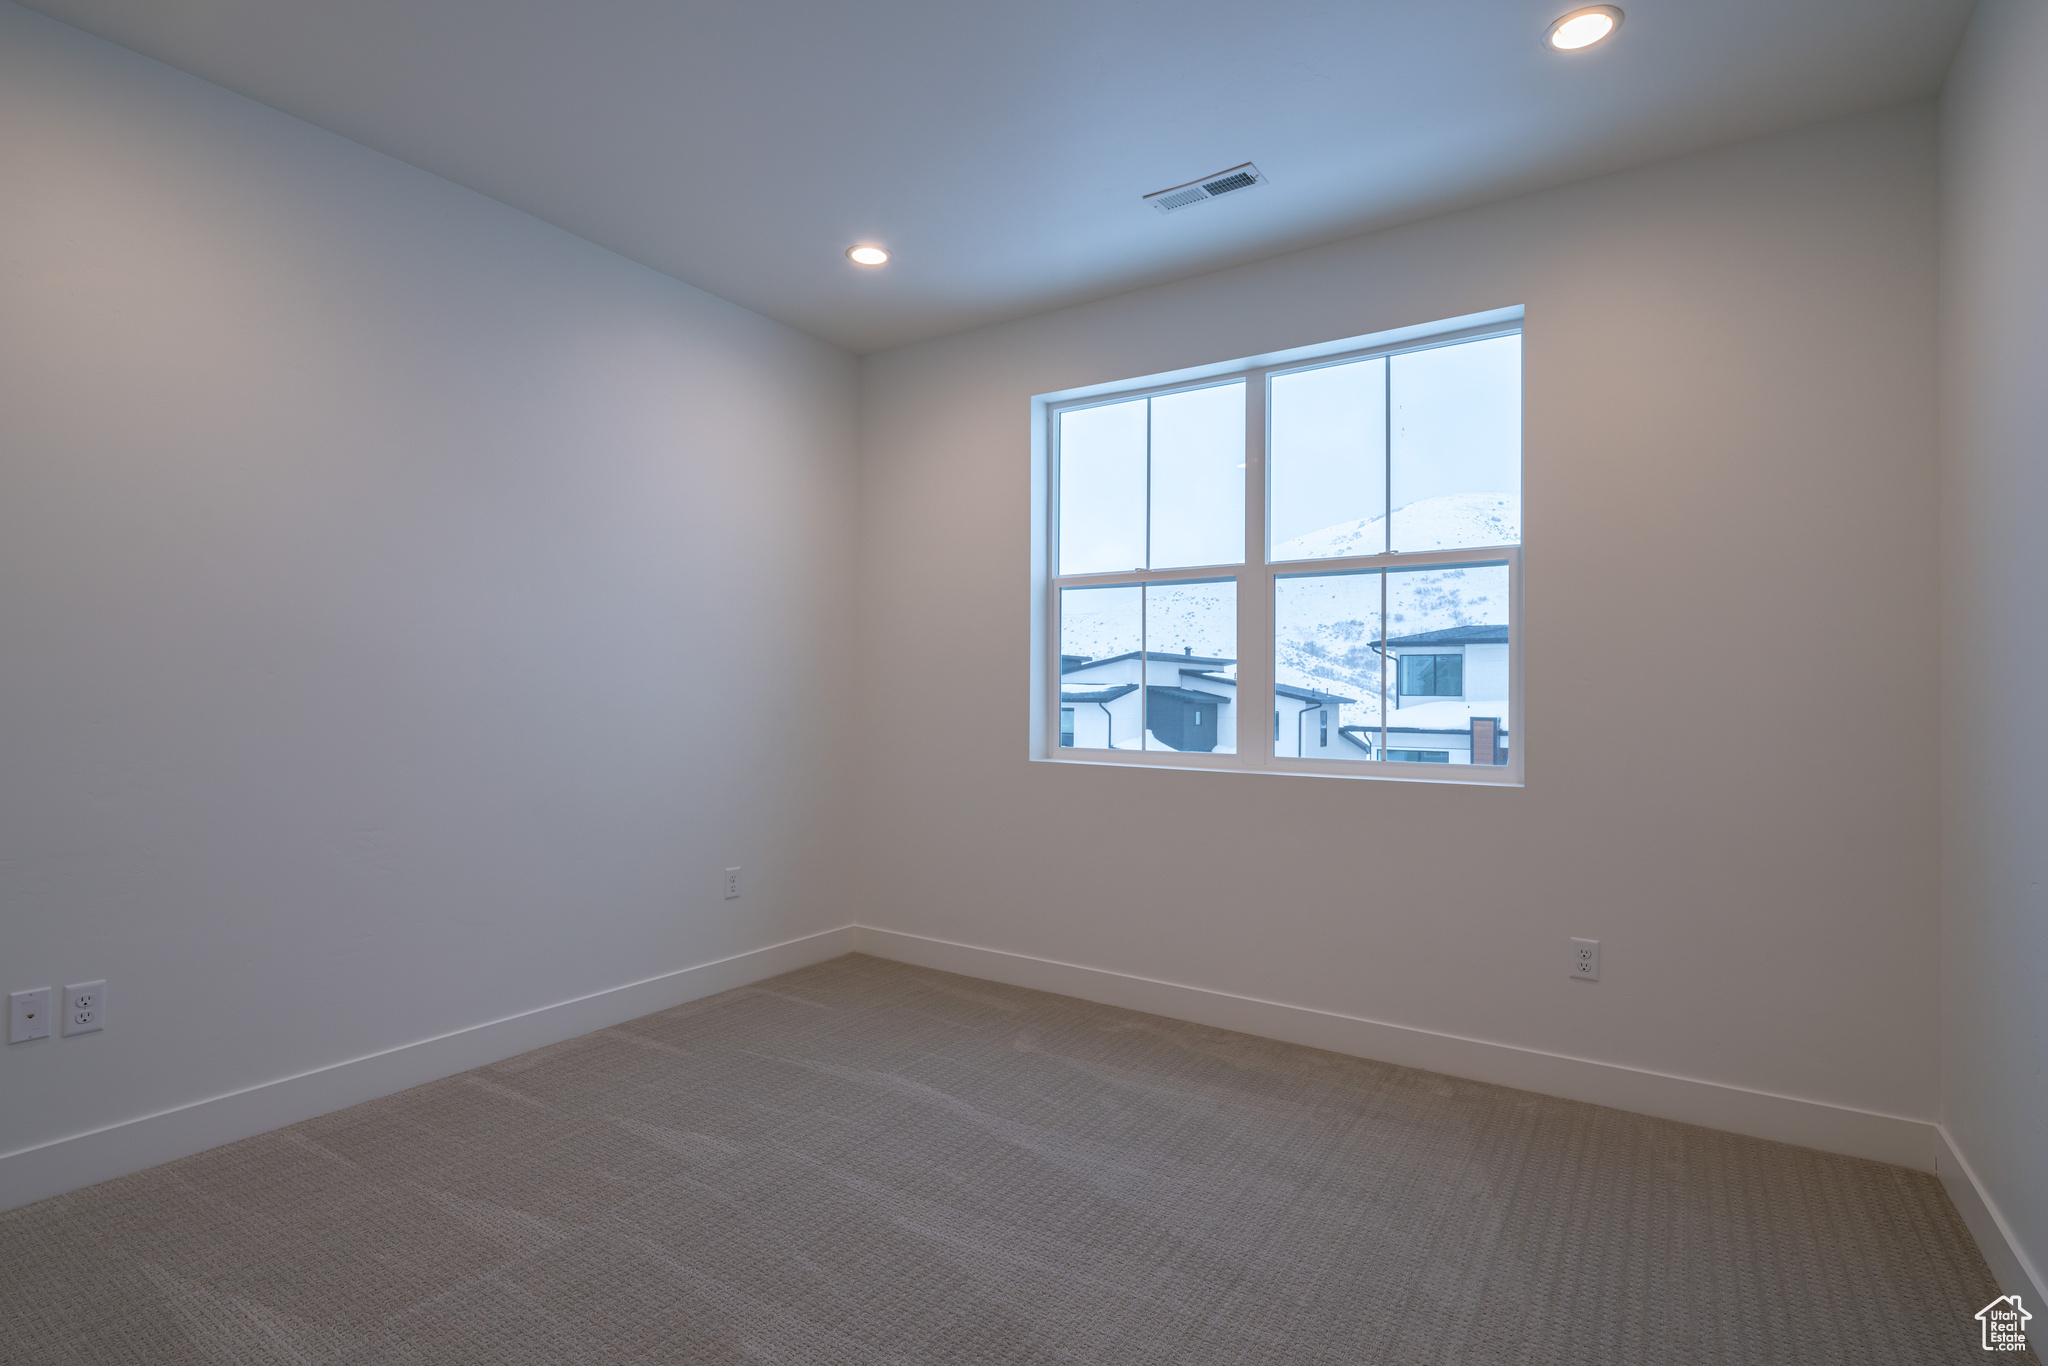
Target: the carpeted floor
(865, 1163)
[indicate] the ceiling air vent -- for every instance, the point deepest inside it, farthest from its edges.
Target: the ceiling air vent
(1208, 187)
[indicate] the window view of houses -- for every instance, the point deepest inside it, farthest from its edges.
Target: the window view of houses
(1417, 690)
(1378, 662)
(1151, 666)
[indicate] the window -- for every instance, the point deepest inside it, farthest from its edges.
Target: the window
(1336, 533)
(1432, 675)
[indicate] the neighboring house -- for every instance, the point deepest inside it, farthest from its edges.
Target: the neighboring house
(1444, 689)
(1192, 704)
(1308, 725)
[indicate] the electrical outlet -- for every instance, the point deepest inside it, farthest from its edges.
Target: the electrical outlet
(732, 883)
(85, 1008)
(1586, 959)
(28, 1015)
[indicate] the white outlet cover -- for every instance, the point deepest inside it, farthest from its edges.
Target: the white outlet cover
(732, 883)
(1586, 959)
(85, 1008)
(28, 1015)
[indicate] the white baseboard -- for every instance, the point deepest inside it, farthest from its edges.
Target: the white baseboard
(2014, 1271)
(64, 1164)
(115, 1150)
(1759, 1114)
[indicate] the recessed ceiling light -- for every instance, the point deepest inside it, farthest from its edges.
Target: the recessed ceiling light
(866, 256)
(1582, 28)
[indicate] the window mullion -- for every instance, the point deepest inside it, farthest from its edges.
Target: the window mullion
(1458, 557)
(1144, 605)
(1254, 591)
(1386, 661)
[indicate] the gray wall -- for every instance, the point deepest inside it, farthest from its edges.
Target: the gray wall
(1994, 639)
(406, 609)
(1731, 752)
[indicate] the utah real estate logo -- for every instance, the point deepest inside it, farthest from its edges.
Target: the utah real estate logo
(2005, 1324)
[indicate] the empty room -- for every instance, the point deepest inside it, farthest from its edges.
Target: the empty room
(1340, 682)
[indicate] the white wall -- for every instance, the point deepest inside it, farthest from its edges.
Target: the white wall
(1994, 642)
(403, 606)
(389, 646)
(1731, 536)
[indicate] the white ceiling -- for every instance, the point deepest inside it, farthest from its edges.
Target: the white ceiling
(1001, 149)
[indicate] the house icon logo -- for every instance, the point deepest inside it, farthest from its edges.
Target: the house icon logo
(2005, 1324)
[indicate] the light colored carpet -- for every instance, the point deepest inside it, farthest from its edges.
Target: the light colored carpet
(865, 1163)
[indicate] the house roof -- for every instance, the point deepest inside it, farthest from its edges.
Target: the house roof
(1204, 660)
(1187, 694)
(1076, 692)
(1281, 689)
(1201, 666)
(1453, 635)
(1308, 694)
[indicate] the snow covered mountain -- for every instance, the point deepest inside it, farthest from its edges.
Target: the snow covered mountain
(1447, 523)
(1195, 618)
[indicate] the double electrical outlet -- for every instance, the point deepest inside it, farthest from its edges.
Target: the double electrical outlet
(29, 1013)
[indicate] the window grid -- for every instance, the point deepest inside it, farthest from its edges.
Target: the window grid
(1256, 578)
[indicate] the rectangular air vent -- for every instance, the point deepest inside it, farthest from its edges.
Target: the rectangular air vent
(1208, 187)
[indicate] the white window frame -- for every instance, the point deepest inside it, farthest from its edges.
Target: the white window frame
(1257, 577)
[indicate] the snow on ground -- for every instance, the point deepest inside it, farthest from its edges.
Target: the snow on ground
(1449, 714)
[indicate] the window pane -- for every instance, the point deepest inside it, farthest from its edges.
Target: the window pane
(1328, 457)
(1450, 675)
(1326, 663)
(1457, 446)
(1102, 489)
(1101, 632)
(1424, 675)
(1449, 629)
(1191, 667)
(1198, 477)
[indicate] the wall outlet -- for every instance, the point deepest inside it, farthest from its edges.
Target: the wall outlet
(1586, 959)
(28, 1015)
(732, 883)
(85, 1008)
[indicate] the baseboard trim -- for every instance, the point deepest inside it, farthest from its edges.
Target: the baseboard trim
(67, 1163)
(1714, 1105)
(2010, 1266)
(64, 1164)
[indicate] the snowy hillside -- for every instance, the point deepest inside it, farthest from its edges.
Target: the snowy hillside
(1447, 523)
(1201, 618)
